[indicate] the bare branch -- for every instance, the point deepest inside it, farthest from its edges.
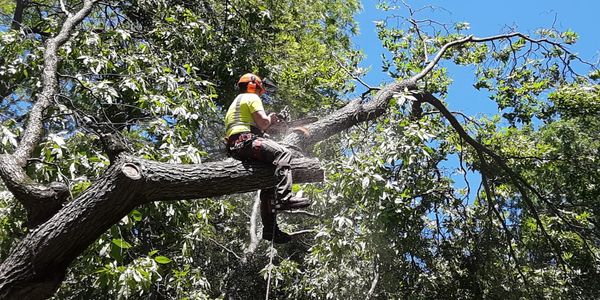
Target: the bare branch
(351, 74)
(508, 36)
(301, 232)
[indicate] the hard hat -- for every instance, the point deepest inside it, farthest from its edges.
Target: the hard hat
(254, 83)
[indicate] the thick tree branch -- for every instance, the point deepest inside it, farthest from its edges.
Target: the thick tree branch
(176, 182)
(40, 201)
(33, 130)
(358, 111)
(36, 265)
(346, 117)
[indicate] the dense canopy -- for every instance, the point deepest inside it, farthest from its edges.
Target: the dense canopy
(115, 182)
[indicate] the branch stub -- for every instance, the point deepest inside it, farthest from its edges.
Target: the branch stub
(132, 171)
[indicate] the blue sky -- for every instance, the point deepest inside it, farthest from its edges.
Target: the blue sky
(486, 18)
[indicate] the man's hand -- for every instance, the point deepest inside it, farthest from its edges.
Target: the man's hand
(274, 118)
(263, 121)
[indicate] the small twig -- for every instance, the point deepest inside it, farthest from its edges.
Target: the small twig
(418, 30)
(300, 212)
(300, 232)
(216, 243)
(369, 88)
(64, 8)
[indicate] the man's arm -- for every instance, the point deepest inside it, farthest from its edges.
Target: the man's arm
(262, 120)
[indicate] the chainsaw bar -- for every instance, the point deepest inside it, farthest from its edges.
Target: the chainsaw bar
(283, 126)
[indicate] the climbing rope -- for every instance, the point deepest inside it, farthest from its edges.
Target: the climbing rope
(271, 254)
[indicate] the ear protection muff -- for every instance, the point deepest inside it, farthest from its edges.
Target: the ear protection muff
(251, 85)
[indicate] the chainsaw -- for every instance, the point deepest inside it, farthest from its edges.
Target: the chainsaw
(285, 124)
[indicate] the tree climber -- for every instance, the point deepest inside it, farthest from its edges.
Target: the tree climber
(246, 122)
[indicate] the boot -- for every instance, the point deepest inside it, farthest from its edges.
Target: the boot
(276, 235)
(292, 203)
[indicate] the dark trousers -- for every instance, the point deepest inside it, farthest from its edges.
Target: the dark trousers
(248, 146)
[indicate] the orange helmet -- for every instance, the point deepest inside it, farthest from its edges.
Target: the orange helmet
(254, 83)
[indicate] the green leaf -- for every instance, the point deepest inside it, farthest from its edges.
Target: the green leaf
(162, 259)
(136, 215)
(121, 243)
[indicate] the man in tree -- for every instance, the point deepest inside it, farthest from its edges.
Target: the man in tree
(246, 122)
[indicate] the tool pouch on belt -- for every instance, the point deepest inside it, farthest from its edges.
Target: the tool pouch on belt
(237, 142)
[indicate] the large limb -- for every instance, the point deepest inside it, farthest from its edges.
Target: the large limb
(358, 111)
(36, 265)
(355, 112)
(40, 201)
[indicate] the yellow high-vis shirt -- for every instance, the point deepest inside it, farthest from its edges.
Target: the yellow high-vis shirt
(239, 115)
